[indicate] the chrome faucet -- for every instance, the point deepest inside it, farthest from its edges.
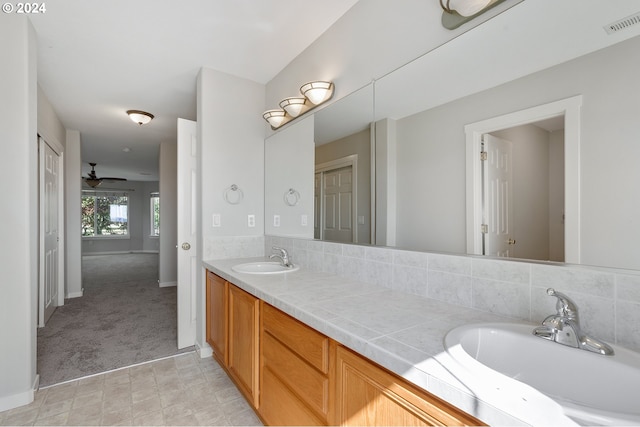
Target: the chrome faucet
(283, 255)
(564, 327)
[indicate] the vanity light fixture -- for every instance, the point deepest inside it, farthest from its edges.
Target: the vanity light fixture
(140, 117)
(274, 117)
(293, 106)
(315, 93)
(458, 12)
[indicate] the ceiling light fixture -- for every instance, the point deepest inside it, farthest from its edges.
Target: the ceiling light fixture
(140, 117)
(315, 93)
(458, 12)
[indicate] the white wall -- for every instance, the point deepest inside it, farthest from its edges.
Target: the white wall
(73, 215)
(18, 184)
(231, 142)
(168, 261)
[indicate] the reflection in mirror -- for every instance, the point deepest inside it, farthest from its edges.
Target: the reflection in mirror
(342, 184)
(430, 191)
(288, 184)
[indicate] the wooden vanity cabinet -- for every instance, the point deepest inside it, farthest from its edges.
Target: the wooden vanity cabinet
(294, 375)
(296, 371)
(243, 343)
(217, 315)
(232, 317)
(369, 395)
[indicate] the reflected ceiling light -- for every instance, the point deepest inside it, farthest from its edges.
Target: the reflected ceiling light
(93, 183)
(293, 106)
(274, 117)
(140, 117)
(457, 12)
(317, 92)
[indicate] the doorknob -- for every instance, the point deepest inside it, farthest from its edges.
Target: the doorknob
(186, 246)
(512, 241)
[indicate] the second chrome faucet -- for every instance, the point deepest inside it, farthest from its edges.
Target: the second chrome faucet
(564, 327)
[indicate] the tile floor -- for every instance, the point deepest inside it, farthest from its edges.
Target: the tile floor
(181, 390)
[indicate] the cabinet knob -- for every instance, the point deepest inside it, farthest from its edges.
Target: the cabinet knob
(186, 246)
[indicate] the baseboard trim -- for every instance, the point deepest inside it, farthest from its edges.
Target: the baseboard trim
(119, 253)
(16, 400)
(205, 352)
(167, 284)
(75, 294)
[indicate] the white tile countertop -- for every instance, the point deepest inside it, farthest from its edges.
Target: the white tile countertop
(400, 331)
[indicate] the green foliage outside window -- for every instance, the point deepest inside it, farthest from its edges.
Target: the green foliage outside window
(105, 215)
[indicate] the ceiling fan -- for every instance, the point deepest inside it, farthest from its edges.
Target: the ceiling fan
(92, 179)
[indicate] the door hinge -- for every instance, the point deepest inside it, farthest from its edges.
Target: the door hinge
(483, 155)
(484, 228)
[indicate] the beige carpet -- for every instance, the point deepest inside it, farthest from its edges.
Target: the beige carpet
(123, 318)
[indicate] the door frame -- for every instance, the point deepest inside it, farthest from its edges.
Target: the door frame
(57, 148)
(570, 108)
(343, 162)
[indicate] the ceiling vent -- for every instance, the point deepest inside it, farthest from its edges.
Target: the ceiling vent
(623, 23)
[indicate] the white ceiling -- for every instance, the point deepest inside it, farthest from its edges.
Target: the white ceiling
(98, 59)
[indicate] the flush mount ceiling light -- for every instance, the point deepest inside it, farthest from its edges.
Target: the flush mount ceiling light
(315, 93)
(140, 117)
(458, 12)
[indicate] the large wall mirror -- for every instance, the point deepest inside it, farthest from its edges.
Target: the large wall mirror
(421, 170)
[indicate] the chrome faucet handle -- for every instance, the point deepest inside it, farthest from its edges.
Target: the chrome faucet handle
(565, 305)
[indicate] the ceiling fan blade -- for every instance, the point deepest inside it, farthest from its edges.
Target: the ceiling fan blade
(113, 179)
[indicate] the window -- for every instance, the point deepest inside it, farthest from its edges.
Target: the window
(155, 214)
(105, 214)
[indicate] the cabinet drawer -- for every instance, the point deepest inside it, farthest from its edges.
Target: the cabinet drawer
(309, 344)
(279, 406)
(305, 382)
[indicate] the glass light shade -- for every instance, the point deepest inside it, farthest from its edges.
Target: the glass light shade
(468, 7)
(293, 106)
(317, 92)
(274, 117)
(140, 117)
(93, 183)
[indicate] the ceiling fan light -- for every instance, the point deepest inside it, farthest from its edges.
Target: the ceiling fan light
(93, 183)
(317, 92)
(274, 117)
(293, 106)
(140, 117)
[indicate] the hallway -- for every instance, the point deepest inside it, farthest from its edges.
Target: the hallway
(124, 318)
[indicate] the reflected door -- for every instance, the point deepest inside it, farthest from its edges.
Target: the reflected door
(336, 204)
(497, 196)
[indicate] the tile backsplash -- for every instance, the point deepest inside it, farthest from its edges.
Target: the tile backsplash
(609, 300)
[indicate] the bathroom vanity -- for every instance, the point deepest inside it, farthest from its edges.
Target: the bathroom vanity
(309, 348)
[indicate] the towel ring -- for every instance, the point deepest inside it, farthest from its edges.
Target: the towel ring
(233, 195)
(291, 197)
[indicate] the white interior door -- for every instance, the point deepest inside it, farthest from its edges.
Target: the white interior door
(49, 283)
(337, 198)
(187, 232)
(498, 197)
(317, 205)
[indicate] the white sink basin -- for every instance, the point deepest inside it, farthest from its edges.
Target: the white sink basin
(263, 267)
(590, 388)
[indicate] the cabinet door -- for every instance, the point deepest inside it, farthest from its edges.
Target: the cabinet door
(243, 342)
(217, 311)
(368, 395)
